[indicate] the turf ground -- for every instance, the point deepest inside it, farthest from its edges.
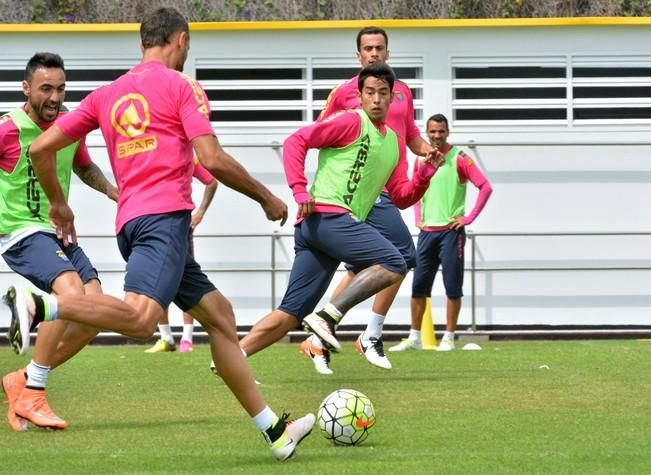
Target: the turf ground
(561, 407)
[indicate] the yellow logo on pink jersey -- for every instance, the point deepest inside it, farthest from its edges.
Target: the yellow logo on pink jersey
(469, 161)
(130, 118)
(198, 95)
(130, 115)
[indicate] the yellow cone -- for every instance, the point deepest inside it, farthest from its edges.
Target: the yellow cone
(427, 328)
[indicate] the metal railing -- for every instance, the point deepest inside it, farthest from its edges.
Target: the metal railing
(474, 269)
(273, 269)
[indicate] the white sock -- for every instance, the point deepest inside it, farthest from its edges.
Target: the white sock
(449, 336)
(414, 335)
(188, 328)
(333, 312)
(316, 342)
(166, 333)
(374, 327)
(265, 419)
(51, 305)
(37, 375)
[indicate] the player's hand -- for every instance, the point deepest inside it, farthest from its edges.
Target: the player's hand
(196, 219)
(112, 192)
(62, 220)
(275, 209)
(306, 208)
(457, 223)
(431, 162)
(435, 157)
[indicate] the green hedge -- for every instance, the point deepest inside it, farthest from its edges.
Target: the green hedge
(129, 11)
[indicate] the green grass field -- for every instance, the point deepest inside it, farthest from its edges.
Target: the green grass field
(561, 407)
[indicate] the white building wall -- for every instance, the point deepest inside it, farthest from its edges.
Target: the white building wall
(547, 177)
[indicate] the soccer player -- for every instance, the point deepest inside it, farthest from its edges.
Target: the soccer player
(152, 118)
(441, 218)
(372, 47)
(28, 242)
(166, 341)
(359, 156)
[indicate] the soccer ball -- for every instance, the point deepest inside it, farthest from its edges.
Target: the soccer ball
(346, 416)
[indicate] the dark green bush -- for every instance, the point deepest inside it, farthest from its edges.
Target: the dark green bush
(129, 11)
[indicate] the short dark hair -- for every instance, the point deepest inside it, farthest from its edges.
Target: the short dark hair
(42, 60)
(371, 30)
(438, 118)
(159, 25)
(380, 71)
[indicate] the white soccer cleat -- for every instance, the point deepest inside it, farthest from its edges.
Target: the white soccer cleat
(445, 345)
(407, 345)
(323, 326)
(284, 447)
(23, 308)
(319, 356)
(373, 351)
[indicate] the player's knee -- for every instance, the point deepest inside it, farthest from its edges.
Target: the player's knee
(398, 276)
(93, 287)
(143, 316)
(68, 283)
(292, 322)
(213, 311)
(144, 330)
(223, 321)
(392, 275)
(283, 319)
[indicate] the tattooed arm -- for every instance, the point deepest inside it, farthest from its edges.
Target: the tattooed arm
(92, 176)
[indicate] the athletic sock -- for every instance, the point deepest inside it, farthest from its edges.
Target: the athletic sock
(267, 423)
(374, 327)
(333, 312)
(275, 432)
(448, 336)
(166, 333)
(188, 328)
(414, 335)
(314, 340)
(47, 308)
(37, 375)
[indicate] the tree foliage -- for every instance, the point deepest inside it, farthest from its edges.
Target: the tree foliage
(129, 11)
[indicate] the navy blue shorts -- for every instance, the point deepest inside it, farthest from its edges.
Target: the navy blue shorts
(41, 258)
(386, 218)
(321, 243)
(159, 263)
(191, 242)
(439, 248)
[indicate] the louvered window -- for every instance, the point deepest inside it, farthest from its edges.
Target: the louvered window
(552, 90)
(242, 91)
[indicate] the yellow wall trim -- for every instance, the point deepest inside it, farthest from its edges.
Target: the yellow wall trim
(335, 24)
